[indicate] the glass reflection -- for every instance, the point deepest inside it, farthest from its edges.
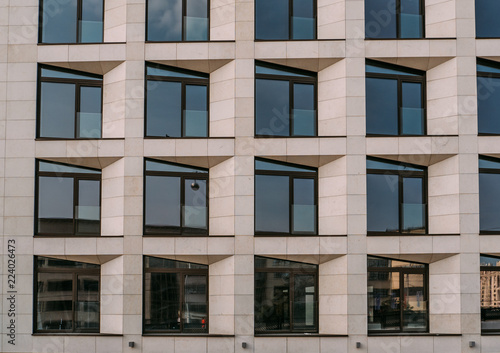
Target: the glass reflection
(195, 314)
(272, 104)
(55, 205)
(304, 111)
(381, 106)
(382, 203)
(304, 304)
(304, 208)
(488, 109)
(373, 26)
(57, 110)
(490, 286)
(162, 298)
(487, 25)
(162, 202)
(489, 202)
(91, 25)
(87, 305)
(195, 204)
(303, 21)
(272, 203)
(196, 20)
(196, 112)
(60, 23)
(383, 301)
(54, 301)
(412, 113)
(164, 106)
(164, 20)
(271, 19)
(89, 117)
(88, 208)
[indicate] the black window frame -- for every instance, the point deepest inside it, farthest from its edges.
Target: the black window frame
(182, 272)
(292, 273)
(422, 79)
(402, 270)
(176, 231)
(312, 79)
(183, 40)
(487, 171)
(403, 174)
(184, 81)
(78, 84)
(64, 270)
(76, 178)
(484, 74)
(78, 19)
(291, 176)
(398, 23)
(290, 24)
(488, 269)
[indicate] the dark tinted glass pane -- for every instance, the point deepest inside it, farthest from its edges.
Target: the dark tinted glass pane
(164, 109)
(386, 70)
(196, 21)
(156, 262)
(490, 305)
(268, 165)
(91, 23)
(54, 301)
(272, 107)
(304, 112)
(383, 301)
(88, 210)
(62, 168)
(47, 262)
(382, 262)
(55, 205)
(271, 19)
(196, 113)
(272, 203)
(412, 112)
(490, 67)
(284, 71)
(415, 303)
(377, 164)
(162, 310)
(168, 167)
(489, 261)
(164, 20)
(304, 303)
(59, 21)
(410, 21)
(170, 72)
(489, 202)
(195, 205)
(272, 301)
(304, 208)
(382, 203)
(489, 164)
(195, 315)
(89, 117)
(69, 75)
(87, 305)
(303, 21)
(266, 262)
(381, 106)
(163, 202)
(57, 110)
(487, 24)
(414, 209)
(380, 19)
(488, 109)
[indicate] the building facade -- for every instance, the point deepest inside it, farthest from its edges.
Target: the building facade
(268, 176)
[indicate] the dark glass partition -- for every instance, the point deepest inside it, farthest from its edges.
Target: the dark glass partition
(489, 195)
(386, 19)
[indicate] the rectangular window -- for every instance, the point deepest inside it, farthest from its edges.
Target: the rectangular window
(175, 296)
(285, 101)
(490, 289)
(285, 198)
(395, 100)
(175, 199)
(487, 25)
(176, 102)
(488, 96)
(68, 200)
(285, 19)
(397, 296)
(177, 20)
(66, 296)
(489, 195)
(396, 197)
(76, 21)
(69, 104)
(286, 296)
(386, 19)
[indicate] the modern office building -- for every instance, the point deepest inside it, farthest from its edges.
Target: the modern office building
(267, 176)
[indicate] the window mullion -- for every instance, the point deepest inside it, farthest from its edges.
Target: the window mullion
(184, 13)
(183, 106)
(78, 20)
(291, 299)
(290, 19)
(75, 299)
(78, 94)
(183, 201)
(181, 299)
(401, 201)
(401, 296)
(291, 200)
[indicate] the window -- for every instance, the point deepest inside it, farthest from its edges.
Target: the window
(66, 296)
(76, 21)
(395, 100)
(285, 101)
(487, 19)
(285, 198)
(488, 96)
(69, 104)
(286, 296)
(175, 296)
(489, 195)
(177, 20)
(396, 197)
(176, 102)
(285, 19)
(385, 19)
(397, 296)
(175, 199)
(490, 294)
(68, 200)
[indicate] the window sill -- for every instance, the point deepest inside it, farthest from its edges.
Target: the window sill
(409, 235)
(189, 41)
(295, 137)
(423, 38)
(48, 44)
(488, 233)
(398, 136)
(40, 236)
(185, 236)
(189, 138)
(76, 334)
(305, 334)
(79, 139)
(425, 334)
(490, 333)
(177, 334)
